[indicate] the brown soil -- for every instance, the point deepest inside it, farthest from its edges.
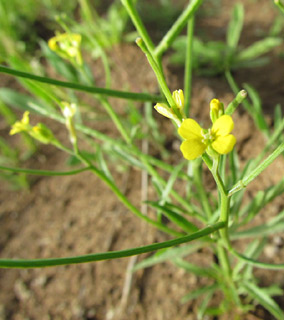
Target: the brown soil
(74, 215)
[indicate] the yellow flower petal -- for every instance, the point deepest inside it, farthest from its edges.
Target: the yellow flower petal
(190, 129)
(22, 125)
(192, 149)
(223, 126)
(224, 144)
(26, 119)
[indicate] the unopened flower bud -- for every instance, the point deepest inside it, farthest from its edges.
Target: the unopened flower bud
(216, 109)
(166, 111)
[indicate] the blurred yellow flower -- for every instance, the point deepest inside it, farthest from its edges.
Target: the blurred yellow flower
(22, 125)
(39, 132)
(197, 139)
(67, 46)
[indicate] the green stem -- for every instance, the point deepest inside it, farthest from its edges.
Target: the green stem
(40, 263)
(224, 217)
(43, 172)
(132, 12)
(177, 27)
(257, 171)
(188, 66)
(115, 118)
(75, 86)
(160, 77)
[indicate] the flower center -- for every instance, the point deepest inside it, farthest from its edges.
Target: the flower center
(208, 136)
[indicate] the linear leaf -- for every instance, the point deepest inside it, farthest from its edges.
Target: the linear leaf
(259, 48)
(235, 26)
(261, 296)
(176, 218)
(167, 254)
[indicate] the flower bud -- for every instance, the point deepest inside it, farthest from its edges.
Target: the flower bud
(216, 109)
(166, 111)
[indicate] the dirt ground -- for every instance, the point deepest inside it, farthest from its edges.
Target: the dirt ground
(74, 215)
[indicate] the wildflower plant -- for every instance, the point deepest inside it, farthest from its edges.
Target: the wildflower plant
(197, 219)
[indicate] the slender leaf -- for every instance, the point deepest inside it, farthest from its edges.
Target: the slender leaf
(176, 218)
(167, 254)
(259, 48)
(201, 291)
(261, 296)
(235, 26)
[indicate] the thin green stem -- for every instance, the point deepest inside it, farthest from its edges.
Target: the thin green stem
(79, 87)
(177, 27)
(43, 172)
(115, 118)
(224, 217)
(160, 77)
(188, 66)
(40, 263)
(132, 12)
(257, 171)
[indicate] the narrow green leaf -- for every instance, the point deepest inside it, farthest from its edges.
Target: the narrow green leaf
(170, 183)
(259, 48)
(192, 268)
(259, 231)
(40, 263)
(19, 100)
(201, 291)
(278, 116)
(204, 304)
(76, 86)
(175, 217)
(259, 295)
(235, 26)
(103, 165)
(167, 255)
(257, 108)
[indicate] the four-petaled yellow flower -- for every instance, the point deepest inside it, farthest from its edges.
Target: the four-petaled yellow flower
(197, 139)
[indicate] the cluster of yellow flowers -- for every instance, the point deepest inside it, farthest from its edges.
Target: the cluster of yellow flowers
(67, 46)
(215, 140)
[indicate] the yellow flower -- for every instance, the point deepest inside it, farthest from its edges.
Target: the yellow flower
(39, 132)
(22, 125)
(197, 140)
(67, 46)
